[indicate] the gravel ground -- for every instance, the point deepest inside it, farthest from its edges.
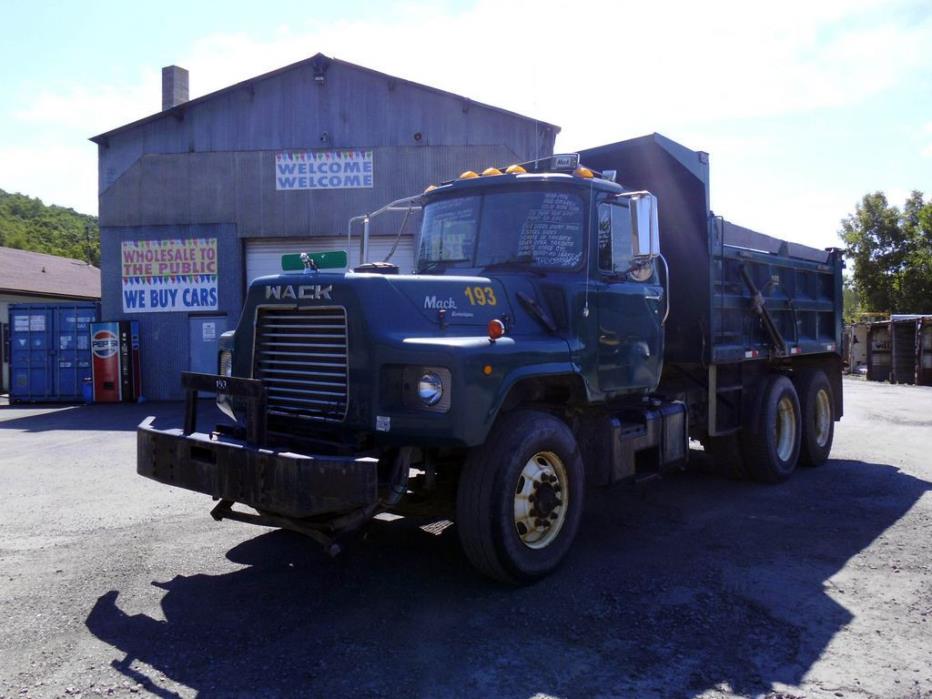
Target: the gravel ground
(689, 586)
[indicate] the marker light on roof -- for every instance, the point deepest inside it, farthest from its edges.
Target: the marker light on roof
(515, 170)
(491, 172)
(583, 172)
(566, 161)
(468, 175)
(430, 188)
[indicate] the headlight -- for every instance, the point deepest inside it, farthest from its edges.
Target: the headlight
(226, 363)
(430, 388)
(225, 368)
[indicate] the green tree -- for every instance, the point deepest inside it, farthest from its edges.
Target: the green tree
(892, 253)
(852, 305)
(914, 284)
(28, 224)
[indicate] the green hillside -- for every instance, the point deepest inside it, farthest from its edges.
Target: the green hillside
(28, 224)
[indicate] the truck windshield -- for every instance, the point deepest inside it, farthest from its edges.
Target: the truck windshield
(528, 227)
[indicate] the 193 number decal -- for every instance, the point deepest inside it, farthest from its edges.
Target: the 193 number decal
(481, 296)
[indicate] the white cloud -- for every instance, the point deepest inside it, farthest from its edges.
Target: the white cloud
(927, 150)
(92, 109)
(586, 69)
(601, 70)
(58, 173)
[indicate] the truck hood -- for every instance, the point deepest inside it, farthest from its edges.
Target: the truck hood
(459, 300)
(454, 301)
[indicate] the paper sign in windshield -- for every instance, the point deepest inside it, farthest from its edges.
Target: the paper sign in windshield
(552, 233)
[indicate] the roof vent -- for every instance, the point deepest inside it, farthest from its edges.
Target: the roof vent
(174, 86)
(319, 65)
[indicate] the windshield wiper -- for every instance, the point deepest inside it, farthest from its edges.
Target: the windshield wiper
(522, 262)
(536, 310)
(435, 266)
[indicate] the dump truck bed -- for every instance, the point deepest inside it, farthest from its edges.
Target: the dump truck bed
(735, 294)
(799, 287)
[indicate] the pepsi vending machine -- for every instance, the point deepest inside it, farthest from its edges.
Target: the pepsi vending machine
(116, 366)
(105, 363)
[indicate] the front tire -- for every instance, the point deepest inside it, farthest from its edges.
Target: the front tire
(770, 438)
(520, 498)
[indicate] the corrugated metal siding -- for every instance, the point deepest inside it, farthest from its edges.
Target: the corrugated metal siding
(924, 340)
(878, 352)
(354, 108)
(51, 350)
(903, 351)
(264, 257)
(240, 188)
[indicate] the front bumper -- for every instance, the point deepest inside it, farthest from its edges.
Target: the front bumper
(270, 480)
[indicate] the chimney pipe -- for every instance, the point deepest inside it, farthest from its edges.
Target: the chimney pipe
(174, 86)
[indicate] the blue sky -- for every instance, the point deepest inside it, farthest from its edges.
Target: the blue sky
(804, 106)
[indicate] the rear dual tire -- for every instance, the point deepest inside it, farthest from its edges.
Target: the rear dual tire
(794, 422)
(771, 434)
(817, 403)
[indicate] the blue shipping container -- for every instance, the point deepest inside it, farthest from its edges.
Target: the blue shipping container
(50, 351)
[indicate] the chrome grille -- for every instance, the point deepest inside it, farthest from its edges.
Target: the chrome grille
(301, 355)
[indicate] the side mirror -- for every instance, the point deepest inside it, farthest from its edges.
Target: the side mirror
(644, 224)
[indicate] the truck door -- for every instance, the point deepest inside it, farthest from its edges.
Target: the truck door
(630, 307)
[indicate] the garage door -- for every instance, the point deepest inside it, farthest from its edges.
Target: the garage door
(265, 256)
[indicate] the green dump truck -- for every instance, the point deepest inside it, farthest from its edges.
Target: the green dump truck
(571, 323)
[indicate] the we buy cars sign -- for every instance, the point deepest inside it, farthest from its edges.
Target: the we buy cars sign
(169, 275)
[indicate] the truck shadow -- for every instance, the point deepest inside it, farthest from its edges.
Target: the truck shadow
(100, 417)
(673, 589)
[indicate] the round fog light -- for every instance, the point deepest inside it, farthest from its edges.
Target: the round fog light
(430, 388)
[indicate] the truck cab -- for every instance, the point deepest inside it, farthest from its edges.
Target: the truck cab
(527, 357)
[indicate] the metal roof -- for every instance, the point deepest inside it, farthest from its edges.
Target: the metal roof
(307, 62)
(38, 274)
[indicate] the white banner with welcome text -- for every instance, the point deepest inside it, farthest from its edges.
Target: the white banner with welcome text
(330, 169)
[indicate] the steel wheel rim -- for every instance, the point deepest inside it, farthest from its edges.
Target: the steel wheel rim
(785, 428)
(541, 498)
(823, 417)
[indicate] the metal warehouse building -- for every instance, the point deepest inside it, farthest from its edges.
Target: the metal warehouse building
(203, 197)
